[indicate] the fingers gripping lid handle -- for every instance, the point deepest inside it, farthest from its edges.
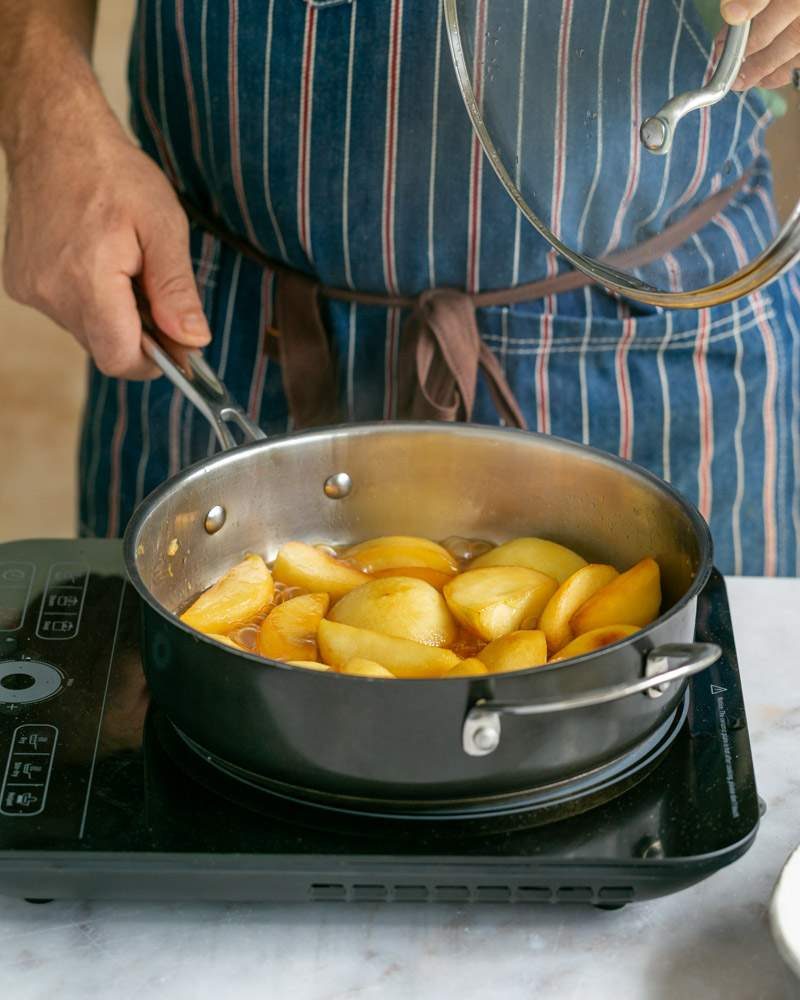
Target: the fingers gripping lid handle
(658, 131)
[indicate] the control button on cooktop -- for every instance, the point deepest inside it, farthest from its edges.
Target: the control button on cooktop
(28, 769)
(15, 587)
(62, 604)
(23, 682)
(30, 739)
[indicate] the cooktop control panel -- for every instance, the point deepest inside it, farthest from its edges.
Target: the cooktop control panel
(60, 607)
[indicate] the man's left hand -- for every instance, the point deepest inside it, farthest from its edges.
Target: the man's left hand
(773, 52)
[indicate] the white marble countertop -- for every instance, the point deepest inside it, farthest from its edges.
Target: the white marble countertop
(708, 942)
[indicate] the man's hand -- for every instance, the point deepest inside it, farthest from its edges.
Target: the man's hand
(87, 211)
(85, 216)
(773, 52)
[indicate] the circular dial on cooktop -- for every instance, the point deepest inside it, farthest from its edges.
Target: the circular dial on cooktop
(23, 682)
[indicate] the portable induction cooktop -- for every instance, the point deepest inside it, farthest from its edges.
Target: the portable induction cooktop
(102, 798)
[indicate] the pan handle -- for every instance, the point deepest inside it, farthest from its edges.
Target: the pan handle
(191, 373)
(481, 730)
(658, 131)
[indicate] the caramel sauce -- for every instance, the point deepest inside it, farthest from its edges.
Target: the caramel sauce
(463, 551)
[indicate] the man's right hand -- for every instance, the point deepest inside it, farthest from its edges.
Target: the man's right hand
(88, 212)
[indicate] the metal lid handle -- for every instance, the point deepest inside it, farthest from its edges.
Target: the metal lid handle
(658, 131)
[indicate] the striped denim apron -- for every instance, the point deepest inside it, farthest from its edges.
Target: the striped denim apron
(331, 134)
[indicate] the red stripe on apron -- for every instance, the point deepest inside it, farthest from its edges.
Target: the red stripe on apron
(304, 139)
(476, 157)
(144, 100)
(636, 115)
(115, 476)
(233, 112)
(390, 152)
(624, 388)
(194, 122)
(768, 496)
(706, 415)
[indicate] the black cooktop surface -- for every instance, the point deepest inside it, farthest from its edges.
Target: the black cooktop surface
(101, 798)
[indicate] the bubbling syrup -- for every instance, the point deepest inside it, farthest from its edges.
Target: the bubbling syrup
(463, 551)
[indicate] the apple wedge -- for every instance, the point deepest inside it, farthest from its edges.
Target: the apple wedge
(301, 565)
(495, 600)
(632, 598)
(289, 632)
(360, 667)
(431, 576)
(238, 596)
(338, 644)
(516, 651)
(396, 552)
(573, 593)
(309, 665)
(469, 668)
(590, 642)
(549, 558)
(225, 640)
(400, 606)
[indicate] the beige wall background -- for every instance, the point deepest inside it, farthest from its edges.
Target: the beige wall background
(42, 371)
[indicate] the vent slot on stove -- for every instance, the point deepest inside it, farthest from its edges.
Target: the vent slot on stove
(534, 894)
(376, 892)
(322, 890)
(410, 894)
(369, 892)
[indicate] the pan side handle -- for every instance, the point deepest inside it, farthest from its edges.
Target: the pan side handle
(482, 728)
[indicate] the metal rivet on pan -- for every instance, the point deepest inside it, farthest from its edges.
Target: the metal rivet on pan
(486, 738)
(338, 486)
(654, 133)
(651, 847)
(215, 518)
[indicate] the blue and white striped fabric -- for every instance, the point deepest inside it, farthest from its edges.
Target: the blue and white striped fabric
(331, 134)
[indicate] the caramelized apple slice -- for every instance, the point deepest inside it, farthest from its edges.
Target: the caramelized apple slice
(399, 606)
(289, 632)
(590, 642)
(225, 640)
(309, 665)
(573, 593)
(516, 651)
(360, 667)
(237, 597)
(301, 565)
(338, 644)
(632, 598)
(400, 552)
(431, 576)
(469, 668)
(495, 600)
(549, 558)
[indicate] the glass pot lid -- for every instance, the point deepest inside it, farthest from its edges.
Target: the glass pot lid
(613, 126)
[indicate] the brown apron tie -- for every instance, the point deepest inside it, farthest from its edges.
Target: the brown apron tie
(441, 351)
(307, 365)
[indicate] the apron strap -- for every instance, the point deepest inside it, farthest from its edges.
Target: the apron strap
(307, 365)
(438, 365)
(441, 351)
(440, 356)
